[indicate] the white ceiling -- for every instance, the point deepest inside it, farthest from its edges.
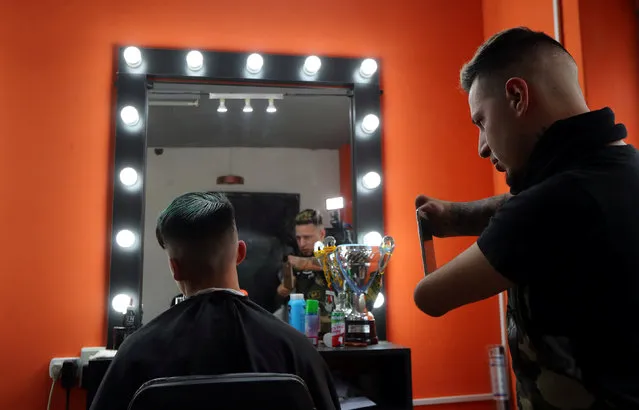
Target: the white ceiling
(306, 118)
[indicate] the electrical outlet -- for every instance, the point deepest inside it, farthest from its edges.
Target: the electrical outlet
(55, 366)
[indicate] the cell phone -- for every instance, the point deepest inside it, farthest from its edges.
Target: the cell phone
(426, 244)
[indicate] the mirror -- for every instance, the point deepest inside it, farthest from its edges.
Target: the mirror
(312, 135)
(274, 151)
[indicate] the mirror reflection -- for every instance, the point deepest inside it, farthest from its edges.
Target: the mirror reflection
(283, 158)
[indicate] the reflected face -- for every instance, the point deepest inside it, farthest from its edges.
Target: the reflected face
(306, 236)
(500, 115)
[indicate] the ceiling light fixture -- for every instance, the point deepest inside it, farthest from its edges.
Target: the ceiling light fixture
(174, 103)
(222, 106)
(247, 105)
(271, 106)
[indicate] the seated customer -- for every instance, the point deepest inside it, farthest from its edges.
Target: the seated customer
(217, 329)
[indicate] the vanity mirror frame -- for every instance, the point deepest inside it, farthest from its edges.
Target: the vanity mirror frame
(135, 70)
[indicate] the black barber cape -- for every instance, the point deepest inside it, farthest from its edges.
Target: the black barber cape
(209, 334)
(569, 241)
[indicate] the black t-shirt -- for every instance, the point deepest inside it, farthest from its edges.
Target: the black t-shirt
(213, 333)
(569, 241)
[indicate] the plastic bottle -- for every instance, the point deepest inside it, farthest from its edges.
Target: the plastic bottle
(312, 321)
(296, 306)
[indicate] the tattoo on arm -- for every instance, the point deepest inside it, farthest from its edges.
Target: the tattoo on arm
(471, 218)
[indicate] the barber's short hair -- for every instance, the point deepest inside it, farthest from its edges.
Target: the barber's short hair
(196, 219)
(503, 51)
(309, 216)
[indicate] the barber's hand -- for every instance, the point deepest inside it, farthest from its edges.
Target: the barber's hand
(300, 263)
(286, 287)
(439, 214)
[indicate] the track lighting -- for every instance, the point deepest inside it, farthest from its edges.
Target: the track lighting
(247, 105)
(271, 106)
(222, 106)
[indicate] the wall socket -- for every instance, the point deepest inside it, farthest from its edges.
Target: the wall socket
(55, 366)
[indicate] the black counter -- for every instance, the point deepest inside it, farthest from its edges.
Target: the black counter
(380, 372)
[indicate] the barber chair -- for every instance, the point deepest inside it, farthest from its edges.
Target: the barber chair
(224, 392)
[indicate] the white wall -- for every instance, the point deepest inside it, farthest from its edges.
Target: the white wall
(314, 174)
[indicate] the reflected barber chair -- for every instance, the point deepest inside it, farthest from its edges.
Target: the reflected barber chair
(224, 392)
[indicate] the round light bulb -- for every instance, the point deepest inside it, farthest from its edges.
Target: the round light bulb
(132, 57)
(125, 238)
(254, 63)
(312, 65)
(130, 116)
(247, 106)
(368, 68)
(120, 302)
(379, 301)
(370, 123)
(128, 176)
(371, 180)
(195, 60)
(373, 239)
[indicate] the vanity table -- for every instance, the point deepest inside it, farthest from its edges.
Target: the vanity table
(380, 372)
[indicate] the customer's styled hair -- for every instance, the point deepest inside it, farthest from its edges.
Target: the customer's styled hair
(507, 53)
(309, 216)
(196, 220)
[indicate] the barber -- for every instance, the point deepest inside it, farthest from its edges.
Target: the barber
(302, 272)
(565, 244)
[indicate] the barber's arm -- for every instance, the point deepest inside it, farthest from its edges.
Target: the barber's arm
(522, 244)
(466, 279)
(304, 263)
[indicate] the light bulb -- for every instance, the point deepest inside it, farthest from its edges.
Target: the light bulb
(334, 203)
(373, 239)
(120, 302)
(247, 105)
(271, 106)
(368, 68)
(312, 65)
(125, 238)
(370, 123)
(379, 301)
(128, 176)
(130, 116)
(222, 107)
(195, 60)
(254, 63)
(132, 57)
(371, 180)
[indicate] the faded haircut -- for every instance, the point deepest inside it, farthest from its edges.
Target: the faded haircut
(309, 216)
(197, 223)
(507, 53)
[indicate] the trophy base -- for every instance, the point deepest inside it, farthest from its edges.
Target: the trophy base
(360, 333)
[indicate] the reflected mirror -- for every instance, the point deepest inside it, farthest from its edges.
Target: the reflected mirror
(275, 151)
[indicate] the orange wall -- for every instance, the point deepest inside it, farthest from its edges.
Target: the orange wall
(611, 59)
(55, 156)
(345, 181)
